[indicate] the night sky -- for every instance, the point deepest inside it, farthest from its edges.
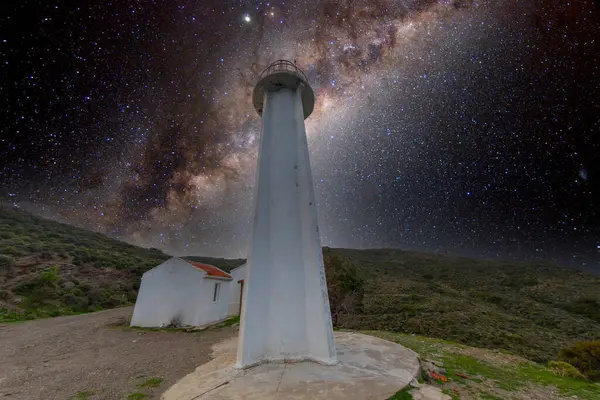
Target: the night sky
(466, 127)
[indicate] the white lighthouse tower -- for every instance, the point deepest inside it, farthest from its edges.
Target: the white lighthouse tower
(286, 313)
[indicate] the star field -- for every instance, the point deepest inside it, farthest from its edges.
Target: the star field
(450, 126)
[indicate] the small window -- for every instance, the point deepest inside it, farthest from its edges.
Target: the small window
(216, 293)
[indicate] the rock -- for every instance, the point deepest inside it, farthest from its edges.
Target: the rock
(435, 362)
(428, 392)
(428, 366)
(68, 285)
(414, 383)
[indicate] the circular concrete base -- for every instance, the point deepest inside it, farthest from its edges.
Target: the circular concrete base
(369, 368)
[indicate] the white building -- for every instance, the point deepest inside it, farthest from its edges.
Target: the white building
(187, 292)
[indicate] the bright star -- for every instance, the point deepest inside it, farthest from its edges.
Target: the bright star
(247, 18)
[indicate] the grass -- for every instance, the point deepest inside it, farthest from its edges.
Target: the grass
(402, 395)
(84, 395)
(487, 396)
(137, 396)
(503, 372)
(231, 321)
(150, 382)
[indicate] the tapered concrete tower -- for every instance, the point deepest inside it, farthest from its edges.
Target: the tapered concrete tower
(285, 315)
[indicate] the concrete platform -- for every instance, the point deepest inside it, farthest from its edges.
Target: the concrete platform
(369, 368)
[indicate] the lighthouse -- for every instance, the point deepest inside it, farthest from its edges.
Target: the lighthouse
(285, 314)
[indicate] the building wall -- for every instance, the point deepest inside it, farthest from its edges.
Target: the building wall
(207, 310)
(175, 290)
(238, 274)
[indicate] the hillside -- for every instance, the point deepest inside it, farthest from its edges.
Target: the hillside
(530, 309)
(49, 269)
(533, 310)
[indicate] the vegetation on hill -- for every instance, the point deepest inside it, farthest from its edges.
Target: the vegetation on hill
(345, 286)
(49, 269)
(533, 310)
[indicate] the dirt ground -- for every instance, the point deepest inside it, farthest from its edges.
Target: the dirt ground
(71, 357)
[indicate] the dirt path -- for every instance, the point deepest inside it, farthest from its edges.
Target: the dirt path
(58, 358)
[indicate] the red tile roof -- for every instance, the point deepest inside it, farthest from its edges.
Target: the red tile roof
(210, 270)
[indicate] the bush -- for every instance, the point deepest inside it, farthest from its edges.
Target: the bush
(94, 297)
(41, 289)
(6, 261)
(564, 369)
(345, 286)
(586, 306)
(75, 302)
(585, 356)
(50, 276)
(11, 250)
(33, 247)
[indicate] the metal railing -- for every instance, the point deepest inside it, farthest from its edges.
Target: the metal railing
(283, 66)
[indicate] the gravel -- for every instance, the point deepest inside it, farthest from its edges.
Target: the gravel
(67, 357)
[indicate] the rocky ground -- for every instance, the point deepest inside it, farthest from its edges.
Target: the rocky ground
(94, 356)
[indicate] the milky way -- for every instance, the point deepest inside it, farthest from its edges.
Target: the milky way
(448, 126)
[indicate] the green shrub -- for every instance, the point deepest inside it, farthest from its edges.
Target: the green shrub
(94, 297)
(585, 356)
(85, 288)
(131, 296)
(40, 290)
(50, 276)
(586, 306)
(76, 303)
(33, 247)
(403, 394)
(10, 250)
(564, 369)
(345, 285)
(6, 263)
